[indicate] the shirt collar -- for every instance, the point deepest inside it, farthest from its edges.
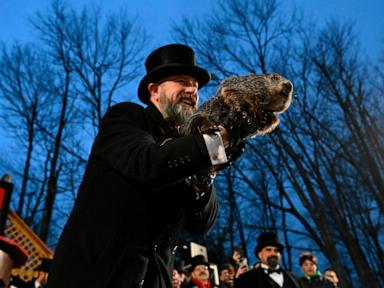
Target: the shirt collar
(266, 267)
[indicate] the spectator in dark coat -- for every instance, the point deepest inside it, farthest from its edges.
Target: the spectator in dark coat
(143, 183)
(226, 276)
(312, 277)
(269, 273)
(200, 273)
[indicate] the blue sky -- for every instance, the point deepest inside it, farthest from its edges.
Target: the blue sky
(156, 16)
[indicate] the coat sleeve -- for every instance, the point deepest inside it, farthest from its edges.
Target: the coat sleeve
(124, 143)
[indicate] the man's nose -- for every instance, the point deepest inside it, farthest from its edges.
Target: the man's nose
(191, 90)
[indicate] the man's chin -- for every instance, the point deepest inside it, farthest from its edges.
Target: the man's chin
(188, 106)
(273, 262)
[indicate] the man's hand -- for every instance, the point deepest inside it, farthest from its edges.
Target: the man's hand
(241, 270)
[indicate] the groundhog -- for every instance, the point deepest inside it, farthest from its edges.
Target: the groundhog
(246, 106)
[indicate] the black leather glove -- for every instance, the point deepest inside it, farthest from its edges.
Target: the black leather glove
(201, 182)
(233, 153)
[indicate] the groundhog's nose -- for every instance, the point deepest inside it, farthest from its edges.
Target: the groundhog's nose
(287, 86)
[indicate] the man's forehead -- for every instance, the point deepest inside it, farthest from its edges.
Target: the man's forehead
(267, 248)
(180, 76)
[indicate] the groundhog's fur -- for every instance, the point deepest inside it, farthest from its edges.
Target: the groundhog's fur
(245, 105)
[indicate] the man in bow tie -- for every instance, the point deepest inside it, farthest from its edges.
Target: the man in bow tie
(269, 273)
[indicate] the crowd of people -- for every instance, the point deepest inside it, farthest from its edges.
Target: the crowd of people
(198, 272)
(267, 272)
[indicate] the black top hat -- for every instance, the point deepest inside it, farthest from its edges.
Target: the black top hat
(268, 239)
(44, 265)
(171, 60)
(180, 267)
(198, 260)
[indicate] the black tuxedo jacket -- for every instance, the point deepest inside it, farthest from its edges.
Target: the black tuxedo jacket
(257, 278)
(131, 204)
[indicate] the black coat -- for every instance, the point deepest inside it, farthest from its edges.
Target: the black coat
(317, 282)
(131, 204)
(258, 278)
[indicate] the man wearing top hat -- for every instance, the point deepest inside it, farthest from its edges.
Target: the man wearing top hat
(269, 273)
(143, 183)
(200, 274)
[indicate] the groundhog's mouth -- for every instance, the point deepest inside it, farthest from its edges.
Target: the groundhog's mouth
(279, 106)
(282, 100)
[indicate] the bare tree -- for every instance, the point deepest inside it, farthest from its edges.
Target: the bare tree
(104, 54)
(320, 174)
(93, 58)
(24, 78)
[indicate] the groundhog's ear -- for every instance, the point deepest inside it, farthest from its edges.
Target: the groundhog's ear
(230, 96)
(227, 92)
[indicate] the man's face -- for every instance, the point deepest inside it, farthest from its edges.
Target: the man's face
(270, 256)
(42, 277)
(176, 97)
(201, 272)
(226, 276)
(176, 279)
(308, 268)
(332, 276)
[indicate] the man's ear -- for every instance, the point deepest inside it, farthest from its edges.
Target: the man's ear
(153, 89)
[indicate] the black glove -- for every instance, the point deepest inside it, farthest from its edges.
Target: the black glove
(201, 182)
(234, 152)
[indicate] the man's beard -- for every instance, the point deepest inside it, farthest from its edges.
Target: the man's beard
(203, 276)
(273, 261)
(175, 112)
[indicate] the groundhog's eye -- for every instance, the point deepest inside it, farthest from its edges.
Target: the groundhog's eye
(275, 76)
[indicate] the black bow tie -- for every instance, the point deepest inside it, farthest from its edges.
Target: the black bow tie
(269, 271)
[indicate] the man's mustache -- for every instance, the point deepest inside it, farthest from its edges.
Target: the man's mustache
(187, 97)
(272, 257)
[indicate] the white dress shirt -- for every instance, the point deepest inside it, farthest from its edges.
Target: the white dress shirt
(215, 148)
(277, 277)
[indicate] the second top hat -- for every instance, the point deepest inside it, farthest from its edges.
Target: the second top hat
(198, 260)
(268, 239)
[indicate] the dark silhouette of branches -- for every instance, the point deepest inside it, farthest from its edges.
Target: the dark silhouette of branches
(56, 98)
(321, 172)
(24, 78)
